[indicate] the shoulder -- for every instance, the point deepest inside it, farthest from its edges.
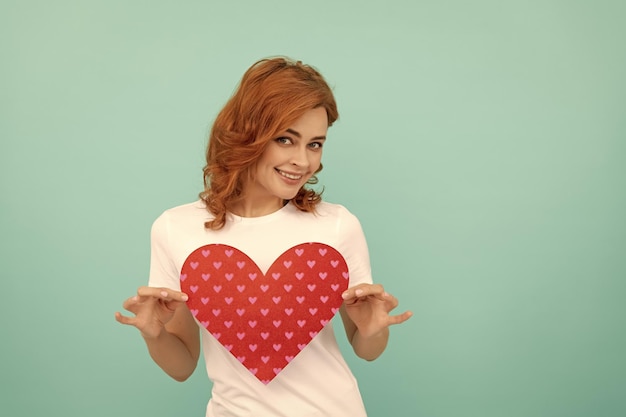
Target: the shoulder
(195, 212)
(195, 209)
(344, 220)
(338, 211)
(325, 208)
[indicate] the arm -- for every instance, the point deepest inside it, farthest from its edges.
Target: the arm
(168, 328)
(366, 319)
(366, 307)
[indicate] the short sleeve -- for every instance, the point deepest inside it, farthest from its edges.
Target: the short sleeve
(163, 272)
(354, 248)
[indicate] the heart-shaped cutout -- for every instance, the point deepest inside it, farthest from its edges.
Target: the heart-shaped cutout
(264, 319)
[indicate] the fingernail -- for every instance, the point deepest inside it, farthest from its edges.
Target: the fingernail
(164, 293)
(344, 295)
(185, 297)
(358, 292)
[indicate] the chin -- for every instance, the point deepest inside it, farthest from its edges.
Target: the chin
(290, 196)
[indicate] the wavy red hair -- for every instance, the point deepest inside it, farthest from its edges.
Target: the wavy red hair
(271, 96)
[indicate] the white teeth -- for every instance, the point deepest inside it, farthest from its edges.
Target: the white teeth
(290, 176)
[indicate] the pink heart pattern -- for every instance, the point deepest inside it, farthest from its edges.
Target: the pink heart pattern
(264, 320)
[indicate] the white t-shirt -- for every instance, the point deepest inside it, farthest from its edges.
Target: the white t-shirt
(317, 382)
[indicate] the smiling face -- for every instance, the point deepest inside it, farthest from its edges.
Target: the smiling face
(287, 163)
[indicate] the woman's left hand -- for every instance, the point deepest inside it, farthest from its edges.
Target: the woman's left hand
(369, 305)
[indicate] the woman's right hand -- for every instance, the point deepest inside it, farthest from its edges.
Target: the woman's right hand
(152, 308)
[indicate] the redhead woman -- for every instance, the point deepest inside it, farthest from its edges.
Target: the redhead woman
(252, 273)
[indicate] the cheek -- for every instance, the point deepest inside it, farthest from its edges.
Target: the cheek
(315, 160)
(269, 155)
(316, 163)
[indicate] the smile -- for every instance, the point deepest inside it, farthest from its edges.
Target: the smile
(287, 175)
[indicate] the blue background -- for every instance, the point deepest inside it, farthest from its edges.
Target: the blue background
(480, 143)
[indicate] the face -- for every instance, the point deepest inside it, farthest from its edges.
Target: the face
(289, 160)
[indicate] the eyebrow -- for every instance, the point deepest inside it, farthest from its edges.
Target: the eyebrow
(297, 134)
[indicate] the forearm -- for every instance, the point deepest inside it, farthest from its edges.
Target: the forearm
(172, 355)
(370, 347)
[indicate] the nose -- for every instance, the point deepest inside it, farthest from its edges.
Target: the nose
(300, 157)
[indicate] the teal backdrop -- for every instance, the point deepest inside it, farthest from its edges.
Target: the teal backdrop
(481, 143)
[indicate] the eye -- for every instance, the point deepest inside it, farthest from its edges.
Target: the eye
(316, 145)
(283, 140)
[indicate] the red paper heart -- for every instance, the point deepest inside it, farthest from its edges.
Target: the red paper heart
(264, 320)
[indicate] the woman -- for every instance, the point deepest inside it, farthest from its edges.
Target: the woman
(265, 147)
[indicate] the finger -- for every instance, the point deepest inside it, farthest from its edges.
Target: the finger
(124, 319)
(165, 294)
(400, 318)
(173, 305)
(391, 301)
(129, 303)
(364, 290)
